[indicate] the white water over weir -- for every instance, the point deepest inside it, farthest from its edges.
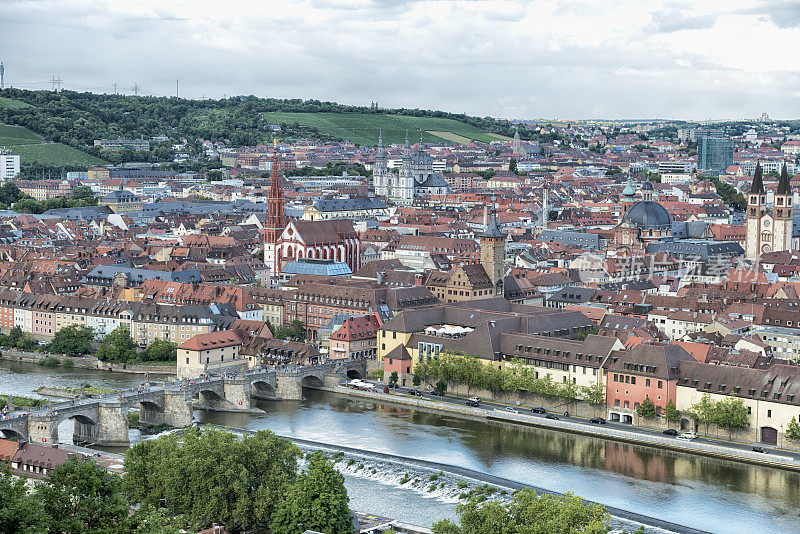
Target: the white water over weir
(450, 483)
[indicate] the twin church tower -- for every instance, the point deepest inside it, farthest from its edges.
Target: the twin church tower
(769, 231)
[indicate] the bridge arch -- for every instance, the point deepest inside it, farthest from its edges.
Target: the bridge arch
(262, 389)
(311, 381)
(10, 433)
(209, 397)
(354, 374)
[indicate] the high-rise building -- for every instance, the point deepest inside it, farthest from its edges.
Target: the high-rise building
(714, 153)
(9, 165)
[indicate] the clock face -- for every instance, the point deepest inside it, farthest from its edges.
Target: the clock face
(766, 223)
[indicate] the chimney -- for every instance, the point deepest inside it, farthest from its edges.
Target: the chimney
(485, 216)
(380, 277)
(418, 279)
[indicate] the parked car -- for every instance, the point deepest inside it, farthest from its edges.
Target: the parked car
(475, 399)
(762, 450)
(511, 409)
(551, 416)
(393, 385)
(597, 420)
(415, 392)
(472, 403)
(671, 432)
(687, 436)
(437, 393)
(538, 410)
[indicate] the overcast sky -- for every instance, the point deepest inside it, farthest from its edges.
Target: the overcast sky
(516, 59)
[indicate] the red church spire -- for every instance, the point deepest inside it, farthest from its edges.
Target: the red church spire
(276, 214)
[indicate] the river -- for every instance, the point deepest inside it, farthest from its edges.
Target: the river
(703, 493)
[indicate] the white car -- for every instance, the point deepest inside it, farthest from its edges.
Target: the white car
(687, 436)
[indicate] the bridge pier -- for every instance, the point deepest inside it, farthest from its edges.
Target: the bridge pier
(43, 429)
(237, 392)
(177, 409)
(289, 386)
(113, 425)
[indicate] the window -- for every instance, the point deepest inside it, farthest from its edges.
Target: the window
(647, 382)
(660, 384)
(769, 413)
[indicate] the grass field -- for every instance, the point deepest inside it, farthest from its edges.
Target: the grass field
(32, 148)
(501, 137)
(449, 136)
(11, 103)
(362, 128)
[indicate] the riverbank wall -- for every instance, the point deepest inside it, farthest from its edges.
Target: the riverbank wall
(586, 429)
(89, 362)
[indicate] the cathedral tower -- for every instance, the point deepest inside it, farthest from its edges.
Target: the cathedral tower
(756, 207)
(782, 213)
(493, 253)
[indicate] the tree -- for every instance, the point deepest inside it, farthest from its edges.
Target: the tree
(82, 497)
(316, 501)
(512, 165)
(671, 412)
(18, 512)
(731, 414)
(73, 339)
(394, 377)
(211, 476)
(646, 409)
(416, 380)
(528, 513)
(160, 350)
(702, 412)
(117, 346)
(594, 394)
(793, 431)
(83, 192)
(441, 387)
(583, 334)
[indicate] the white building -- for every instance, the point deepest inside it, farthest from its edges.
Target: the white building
(9, 165)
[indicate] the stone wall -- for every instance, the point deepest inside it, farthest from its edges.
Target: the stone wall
(90, 362)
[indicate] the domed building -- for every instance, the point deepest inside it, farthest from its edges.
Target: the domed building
(644, 221)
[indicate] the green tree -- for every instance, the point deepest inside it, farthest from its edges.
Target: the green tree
(731, 414)
(82, 497)
(394, 377)
(117, 346)
(703, 412)
(160, 350)
(793, 431)
(416, 379)
(316, 501)
(594, 394)
(583, 334)
(83, 192)
(646, 409)
(528, 513)
(512, 165)
(671, 412)
(19, 514)
(73, 339)
(441, 387)
(211, 476)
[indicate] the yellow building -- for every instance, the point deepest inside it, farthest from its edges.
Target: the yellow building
(121, 202)
(98, 174)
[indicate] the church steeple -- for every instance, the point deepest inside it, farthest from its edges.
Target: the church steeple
(758, 181)
(407, 147)
(784, 185)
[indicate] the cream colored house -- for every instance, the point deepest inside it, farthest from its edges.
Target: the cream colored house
(213, 353)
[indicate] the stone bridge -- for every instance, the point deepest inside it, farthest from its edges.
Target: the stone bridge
(104, 420)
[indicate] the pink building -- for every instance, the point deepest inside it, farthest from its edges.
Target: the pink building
(356, 338)
(645, 370)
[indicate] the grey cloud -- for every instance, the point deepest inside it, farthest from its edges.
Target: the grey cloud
(782, 14)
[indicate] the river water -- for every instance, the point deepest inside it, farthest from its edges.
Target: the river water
(703, 493)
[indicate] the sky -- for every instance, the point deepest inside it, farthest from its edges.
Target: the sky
(625, 59)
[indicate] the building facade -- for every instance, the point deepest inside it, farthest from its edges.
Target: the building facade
(415, 177)
(768, 231)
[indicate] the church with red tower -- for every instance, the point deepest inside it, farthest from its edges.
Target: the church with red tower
(276, 218)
